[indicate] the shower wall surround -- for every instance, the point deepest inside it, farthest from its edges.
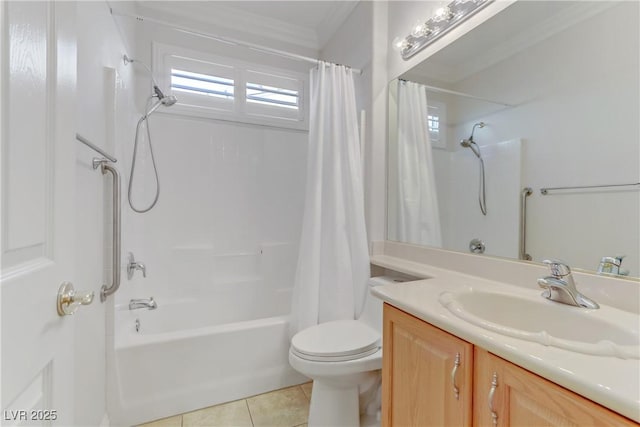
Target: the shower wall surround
(231, 203)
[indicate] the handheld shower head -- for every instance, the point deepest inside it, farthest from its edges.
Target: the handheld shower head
(167, 101)
(470, 143)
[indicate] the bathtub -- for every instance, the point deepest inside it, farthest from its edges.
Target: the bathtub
(230, 342)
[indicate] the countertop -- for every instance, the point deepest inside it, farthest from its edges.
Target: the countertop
(610, 381)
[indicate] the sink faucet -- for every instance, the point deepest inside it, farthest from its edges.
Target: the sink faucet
(148, 303)
(132, 266)
(612, 266)
(560, 286)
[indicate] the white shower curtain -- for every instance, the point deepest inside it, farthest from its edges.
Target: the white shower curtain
(333, 262)
(418, 215)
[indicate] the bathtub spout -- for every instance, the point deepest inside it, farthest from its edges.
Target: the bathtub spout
(148, 303)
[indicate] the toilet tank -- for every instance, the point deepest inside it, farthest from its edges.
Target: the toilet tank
(372, 310)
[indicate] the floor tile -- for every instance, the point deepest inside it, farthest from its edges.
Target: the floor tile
(306, 388)
(165, 422)
(232, 414)
(288, 407)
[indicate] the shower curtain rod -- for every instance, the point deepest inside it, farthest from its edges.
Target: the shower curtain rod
(227, 40)
(462, 94)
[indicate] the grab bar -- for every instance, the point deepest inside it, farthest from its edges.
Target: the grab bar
(115, 283)
(545, 191)
(526, 192)
(95, 148)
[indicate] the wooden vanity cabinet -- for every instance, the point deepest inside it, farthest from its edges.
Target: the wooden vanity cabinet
(418, 385)
(426, 374)
(521, 398)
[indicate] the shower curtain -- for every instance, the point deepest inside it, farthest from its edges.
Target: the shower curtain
(418, 215)
(333, 262)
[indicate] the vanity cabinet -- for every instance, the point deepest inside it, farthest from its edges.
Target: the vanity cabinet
(507, 395)
(420, 377)
(427, 374)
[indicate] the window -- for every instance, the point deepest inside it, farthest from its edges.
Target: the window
(274, 96)
(436, 116)
(228, 89)
(202, 84)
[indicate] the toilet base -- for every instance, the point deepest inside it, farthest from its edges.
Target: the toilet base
(335, 400)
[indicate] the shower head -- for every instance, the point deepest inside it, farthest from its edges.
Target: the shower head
(167, 101)
(470, 143)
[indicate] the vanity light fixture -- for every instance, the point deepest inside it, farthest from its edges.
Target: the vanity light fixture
(443, 20)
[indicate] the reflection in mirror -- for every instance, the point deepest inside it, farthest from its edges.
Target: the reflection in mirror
(560, 106)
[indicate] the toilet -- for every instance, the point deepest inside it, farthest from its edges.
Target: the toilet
(343, 358)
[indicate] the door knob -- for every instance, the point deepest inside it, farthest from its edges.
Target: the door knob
(69, 299)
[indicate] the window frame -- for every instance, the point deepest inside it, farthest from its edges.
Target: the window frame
(238, 109)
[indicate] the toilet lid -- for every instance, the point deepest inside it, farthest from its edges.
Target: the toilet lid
(337, 340)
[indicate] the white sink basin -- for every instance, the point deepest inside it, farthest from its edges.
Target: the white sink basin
(603, 332)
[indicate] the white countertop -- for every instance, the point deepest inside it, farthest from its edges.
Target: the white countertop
(609, 381)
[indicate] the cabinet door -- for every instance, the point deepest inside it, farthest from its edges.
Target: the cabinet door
(522, 399)
(426, 374)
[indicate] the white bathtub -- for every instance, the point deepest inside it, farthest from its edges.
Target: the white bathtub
(229, 343)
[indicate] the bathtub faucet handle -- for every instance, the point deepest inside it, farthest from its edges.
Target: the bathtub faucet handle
(132, 266)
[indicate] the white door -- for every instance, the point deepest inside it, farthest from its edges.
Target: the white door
(37, 93)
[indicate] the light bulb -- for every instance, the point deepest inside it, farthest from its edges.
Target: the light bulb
(418, 29)
(441, 14)
(400, 43)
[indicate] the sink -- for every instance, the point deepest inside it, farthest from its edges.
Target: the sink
(604, 332)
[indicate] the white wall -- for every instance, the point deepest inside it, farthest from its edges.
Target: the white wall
(104, 107)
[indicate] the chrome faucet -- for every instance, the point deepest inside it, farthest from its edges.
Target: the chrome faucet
(560, 286)
(132, 266)
(612, 266)
(148, 303)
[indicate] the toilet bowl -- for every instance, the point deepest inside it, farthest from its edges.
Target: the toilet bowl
(341, 357)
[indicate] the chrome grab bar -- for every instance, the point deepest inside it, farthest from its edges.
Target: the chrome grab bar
(105, 290)
(545, 191)
(95, 148)
(526, 192)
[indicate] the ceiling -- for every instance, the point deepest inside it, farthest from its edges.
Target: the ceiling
(309, 24)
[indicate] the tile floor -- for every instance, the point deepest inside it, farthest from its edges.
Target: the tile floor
(288, 407)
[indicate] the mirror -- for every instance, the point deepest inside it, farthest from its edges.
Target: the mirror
(555, 86)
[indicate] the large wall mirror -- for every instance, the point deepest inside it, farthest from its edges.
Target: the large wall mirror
(544, 95)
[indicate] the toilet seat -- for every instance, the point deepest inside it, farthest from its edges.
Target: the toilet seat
(336, 341)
